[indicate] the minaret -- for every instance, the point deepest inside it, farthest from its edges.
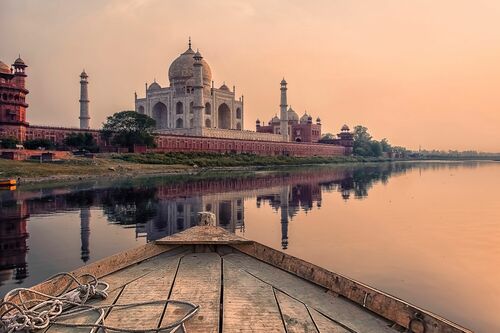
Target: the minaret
(84, 233)
(198, 93)
(19, 72)
(84, 102)
(283, 112)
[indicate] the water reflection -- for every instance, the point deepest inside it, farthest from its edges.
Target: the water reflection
(157, 207)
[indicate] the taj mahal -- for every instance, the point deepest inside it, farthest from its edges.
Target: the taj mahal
(191, 103)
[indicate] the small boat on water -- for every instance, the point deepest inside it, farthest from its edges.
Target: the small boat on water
(7, 182)
(239, 286)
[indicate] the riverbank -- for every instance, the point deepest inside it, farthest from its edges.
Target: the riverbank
(81, 168)
(132, 165)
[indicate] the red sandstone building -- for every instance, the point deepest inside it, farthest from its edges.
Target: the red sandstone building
(299, 130)
(13, 100)
(302, 133)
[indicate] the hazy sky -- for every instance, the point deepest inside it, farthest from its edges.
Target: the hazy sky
(421, 72)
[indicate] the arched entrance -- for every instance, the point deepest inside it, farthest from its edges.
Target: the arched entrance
(160, 115)
(224, 116)
(208, 123)
(179, 123)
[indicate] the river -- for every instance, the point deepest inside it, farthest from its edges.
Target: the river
(426, 232)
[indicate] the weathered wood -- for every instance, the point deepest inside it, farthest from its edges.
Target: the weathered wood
(295, 315)
(117, 281)
(86, 318)
(249, 305)
(325, 325)
(374, 300)
(198, 281)
(203, 235)
(154, 286)
(342, 310)
(102, 267)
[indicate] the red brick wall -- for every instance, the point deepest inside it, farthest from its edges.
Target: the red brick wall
(198, 144)
(172, 143)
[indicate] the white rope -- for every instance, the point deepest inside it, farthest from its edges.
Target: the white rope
(40, 313)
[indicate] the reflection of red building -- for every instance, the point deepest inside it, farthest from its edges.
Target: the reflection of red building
(13, 236)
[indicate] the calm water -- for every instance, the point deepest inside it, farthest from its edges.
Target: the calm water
(426, 232)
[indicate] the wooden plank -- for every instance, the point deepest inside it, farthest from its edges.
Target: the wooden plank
(325, 325)
(198, 281)
(86, 318)
(117, 281)
(295, 315)
(203, 235)
(103, 267)
(249, 304)
(374, 300)
(151, 287)
(342, 310)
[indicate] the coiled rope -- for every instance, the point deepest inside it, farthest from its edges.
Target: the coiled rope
(40, 313)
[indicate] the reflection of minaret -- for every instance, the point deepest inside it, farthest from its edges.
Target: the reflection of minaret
(85, 233)
(284, 197)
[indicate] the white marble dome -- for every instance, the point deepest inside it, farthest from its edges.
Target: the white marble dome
(181, 69)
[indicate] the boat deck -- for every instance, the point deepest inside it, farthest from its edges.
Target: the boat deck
(239, 286)
(236, 293)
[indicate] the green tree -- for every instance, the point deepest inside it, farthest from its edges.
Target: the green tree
(362, 140)
(39, 143)
(328, 136)
(81, 141)
(9, 142)
(129, 128)
(386, 147)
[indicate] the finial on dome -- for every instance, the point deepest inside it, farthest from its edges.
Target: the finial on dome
(189, 44)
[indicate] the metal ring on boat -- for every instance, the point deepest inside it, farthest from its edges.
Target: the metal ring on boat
(417, 317)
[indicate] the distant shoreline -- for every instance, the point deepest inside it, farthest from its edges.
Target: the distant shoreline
(134, 165)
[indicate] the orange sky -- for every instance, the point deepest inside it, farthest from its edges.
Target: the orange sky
(420, 72)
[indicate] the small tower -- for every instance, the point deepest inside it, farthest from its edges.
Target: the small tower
(198, 106)
(257, 124)
(283, 112)
(19, 72)
(84, 102)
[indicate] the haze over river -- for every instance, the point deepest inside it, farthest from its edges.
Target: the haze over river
(426, 232)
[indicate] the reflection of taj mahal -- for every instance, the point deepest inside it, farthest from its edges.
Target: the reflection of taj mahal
(191, 101)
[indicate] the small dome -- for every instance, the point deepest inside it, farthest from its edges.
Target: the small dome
(304, 118)
(318, 120)
(283, 82)
(224, 87)
(4, 68)
(154, 86)
(292, 115)
(258, 121)
(345, 128)
(19, 62)
(275, 119)
(84, 75)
